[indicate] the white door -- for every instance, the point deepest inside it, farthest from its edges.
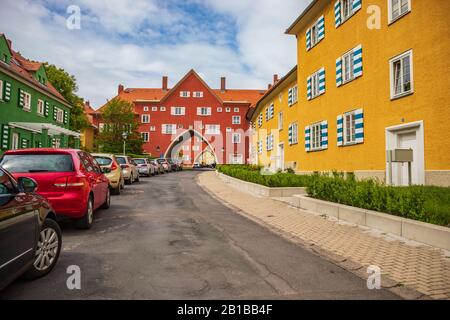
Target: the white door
(406, 141)
(280, 158)
(15, 141)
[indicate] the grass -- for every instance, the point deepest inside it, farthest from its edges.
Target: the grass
(423, 203)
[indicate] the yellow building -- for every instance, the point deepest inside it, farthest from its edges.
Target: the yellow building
(372, 77)
(273, 142)
(88, 134)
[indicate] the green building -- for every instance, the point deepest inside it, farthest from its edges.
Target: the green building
(33, 114)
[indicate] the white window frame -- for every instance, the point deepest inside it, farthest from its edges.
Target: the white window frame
(294, 128)
(153, 128)
(236, 138)
(145, 108)
(315, 91)
(351, 129)
(178, 111)
(391, 18)
(145, 118)
(59, 115)
(154, 108)
(198, 94)
(1, 90)
(204, 111)
(260, 119)
(168, 128)
(145, 136)
(209, 127)
(351, 12)
(162, 109)
(185, 94)
(227, 109)
(236, 109)
(280, 120)
(351, 76)
(314, 30)
(315, 129)
(294, 91)
(40, 107)
(26, 101)
(15, 141)
(219, 109)
(228, 129)
(236, 120)
(400, 58)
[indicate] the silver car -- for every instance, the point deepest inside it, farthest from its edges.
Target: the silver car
(144, 166)
(129, 169)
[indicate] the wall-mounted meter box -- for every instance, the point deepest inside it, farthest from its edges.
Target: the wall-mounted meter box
(400, 155)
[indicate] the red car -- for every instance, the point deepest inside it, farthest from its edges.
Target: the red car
(71, 180)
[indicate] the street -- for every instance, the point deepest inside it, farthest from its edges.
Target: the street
(165, 238)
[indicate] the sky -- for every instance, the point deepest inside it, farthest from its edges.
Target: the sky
(136, 42)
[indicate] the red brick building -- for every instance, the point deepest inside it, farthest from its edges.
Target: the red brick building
(192, 120)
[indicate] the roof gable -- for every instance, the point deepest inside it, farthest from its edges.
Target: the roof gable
(5, 50)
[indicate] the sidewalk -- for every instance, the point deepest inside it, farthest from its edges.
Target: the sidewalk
(403, 263)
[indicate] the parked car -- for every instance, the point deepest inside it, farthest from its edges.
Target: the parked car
(197, 165)
(112, 171)
(159, 169)
(178, 166)
(165, 165)
(129, 169)
(30, 238)
(144, 166)
(70, 179)
(173, 165)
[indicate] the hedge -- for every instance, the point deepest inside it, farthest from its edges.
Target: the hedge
(424, 203)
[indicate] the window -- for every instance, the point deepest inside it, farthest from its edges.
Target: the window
(152, 128)
(236, 159)
(198, 94)
(292, 95)
(154, 108)
(236, 138)
(347, 67)
(260, 120)
(294, 134)
(349, 128)
(145, 136)
(236, 109)
(1, 90)
(316, 137)
(227, 109)
(346, 9)
(203, 111)
(260, 146)
(280, 120)
(145, 118)
(178, 111)
(162, 108)
(229, 129)
(212, 129)
(169, 128)
(314, 85)
(269, 142)
(59, 115)
(40, 107)
(27, 101)
(56, 143)
(314, 35)
(145, 109)
(219, 109)
(196, 148)
(398, 8)
(185, 94)
(401, 68)
(236, 120)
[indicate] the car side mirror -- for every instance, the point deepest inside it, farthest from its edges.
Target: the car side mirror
(27, 185)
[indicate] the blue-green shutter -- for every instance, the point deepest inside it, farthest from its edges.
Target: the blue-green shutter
(290, 134)
(322, 81)
(321, 28)
(340, 130)
(290, 97)
(359, 126)
(324, 135)
(308, 88)
(357, 62)
(339, 71)
(337, 13)
(307, 138)
(356, 5)
(308, 39)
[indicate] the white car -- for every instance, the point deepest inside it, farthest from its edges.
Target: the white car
(129, 169)
(144, 166)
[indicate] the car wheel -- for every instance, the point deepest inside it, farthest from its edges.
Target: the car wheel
(86, 221)
(107, 202)
(47, 252)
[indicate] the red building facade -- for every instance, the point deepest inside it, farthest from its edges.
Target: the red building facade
(193, 122)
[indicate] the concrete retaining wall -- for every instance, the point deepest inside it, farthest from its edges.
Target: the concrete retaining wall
(257, 189)
(427, 233)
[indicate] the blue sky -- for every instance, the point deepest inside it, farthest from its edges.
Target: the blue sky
(136, 42)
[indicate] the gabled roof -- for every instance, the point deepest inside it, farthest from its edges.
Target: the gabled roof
(24, 68)
(159, 95)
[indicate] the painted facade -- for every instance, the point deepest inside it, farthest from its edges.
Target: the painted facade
(364, 89)
(32, 112)
(191, 121)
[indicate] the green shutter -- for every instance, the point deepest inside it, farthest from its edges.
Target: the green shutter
(7, 91)
(55, 113)
(21, 98)
(5, 137)
(46, 108)
(24, 143)
(66, 117)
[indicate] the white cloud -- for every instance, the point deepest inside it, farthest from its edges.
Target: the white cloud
(121, 42)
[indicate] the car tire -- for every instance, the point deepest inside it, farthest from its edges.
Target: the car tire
(47, 252)
(86, 221)
(107, 202)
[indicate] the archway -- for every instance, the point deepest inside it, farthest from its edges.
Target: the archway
(206, 157)
(175, 150)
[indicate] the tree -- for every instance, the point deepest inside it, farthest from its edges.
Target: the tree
(66, 85)
(118, 117)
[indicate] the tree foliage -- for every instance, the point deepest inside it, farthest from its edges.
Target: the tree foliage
(119, 117)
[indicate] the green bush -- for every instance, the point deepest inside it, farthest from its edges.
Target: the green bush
(424, 203)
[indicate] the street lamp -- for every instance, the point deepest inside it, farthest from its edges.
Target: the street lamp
(124, 136)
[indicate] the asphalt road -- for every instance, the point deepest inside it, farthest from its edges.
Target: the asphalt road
(164, 238)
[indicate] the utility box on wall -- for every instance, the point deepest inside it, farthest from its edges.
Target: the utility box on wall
(400, 155)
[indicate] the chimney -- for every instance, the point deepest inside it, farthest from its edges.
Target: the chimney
(120, 89)
(88, 103)
(165, 83)
(275, 79)
(269, 86)
(223, 84)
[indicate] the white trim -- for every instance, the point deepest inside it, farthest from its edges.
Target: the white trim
(390, 18)
(143, 135)
(391, 74)
(145, 117)
(42, 112)
(1, 90)
(238, 118)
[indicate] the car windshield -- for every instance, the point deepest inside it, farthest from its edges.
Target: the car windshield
(30, 163)
(139, 161)
(121, 160)
(161, 160)
(103, 161)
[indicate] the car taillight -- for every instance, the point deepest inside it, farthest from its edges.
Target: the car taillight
(69, 182)
(124, 166)
(113, 166)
